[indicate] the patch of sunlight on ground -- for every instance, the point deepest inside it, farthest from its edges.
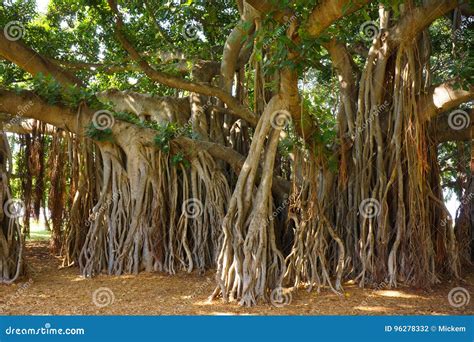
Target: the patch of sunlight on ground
(406, 306)
(78, 279)
(203, 302)
(395, 294)
(372, 308)
(230, 314)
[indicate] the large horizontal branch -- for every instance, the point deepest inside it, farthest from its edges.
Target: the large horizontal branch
(31, 106)
(442, 131)
(29, 60)
(328, 11)
(442, 98)
(12, 124)
(416, 21)
(176, 82)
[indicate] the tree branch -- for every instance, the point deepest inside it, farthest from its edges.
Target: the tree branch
(29, 60)
(443, 97)
(31, 106)
(441, 131)
(328, 11)
(175, 82)
(416, 21)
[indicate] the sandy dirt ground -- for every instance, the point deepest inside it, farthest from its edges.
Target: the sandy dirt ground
(49, 290)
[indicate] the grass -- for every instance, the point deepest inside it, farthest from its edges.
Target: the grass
(38, 231)
(39, 235)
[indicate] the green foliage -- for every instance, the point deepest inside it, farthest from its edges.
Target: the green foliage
(178, 159)
(165, 133)
(454, 158)
(47, 88)
(127, 117)
(83, 31)
(99, 134)
(51, 91)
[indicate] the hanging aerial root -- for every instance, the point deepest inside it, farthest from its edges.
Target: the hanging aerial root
(316, 242)
(154, 215)
(249, 262)
(11, 241)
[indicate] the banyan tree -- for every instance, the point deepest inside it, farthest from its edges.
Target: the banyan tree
(278, 143)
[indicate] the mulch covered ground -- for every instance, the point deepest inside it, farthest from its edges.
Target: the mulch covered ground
(54, 291)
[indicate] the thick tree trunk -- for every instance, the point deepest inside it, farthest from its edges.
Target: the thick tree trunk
(11, 241)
